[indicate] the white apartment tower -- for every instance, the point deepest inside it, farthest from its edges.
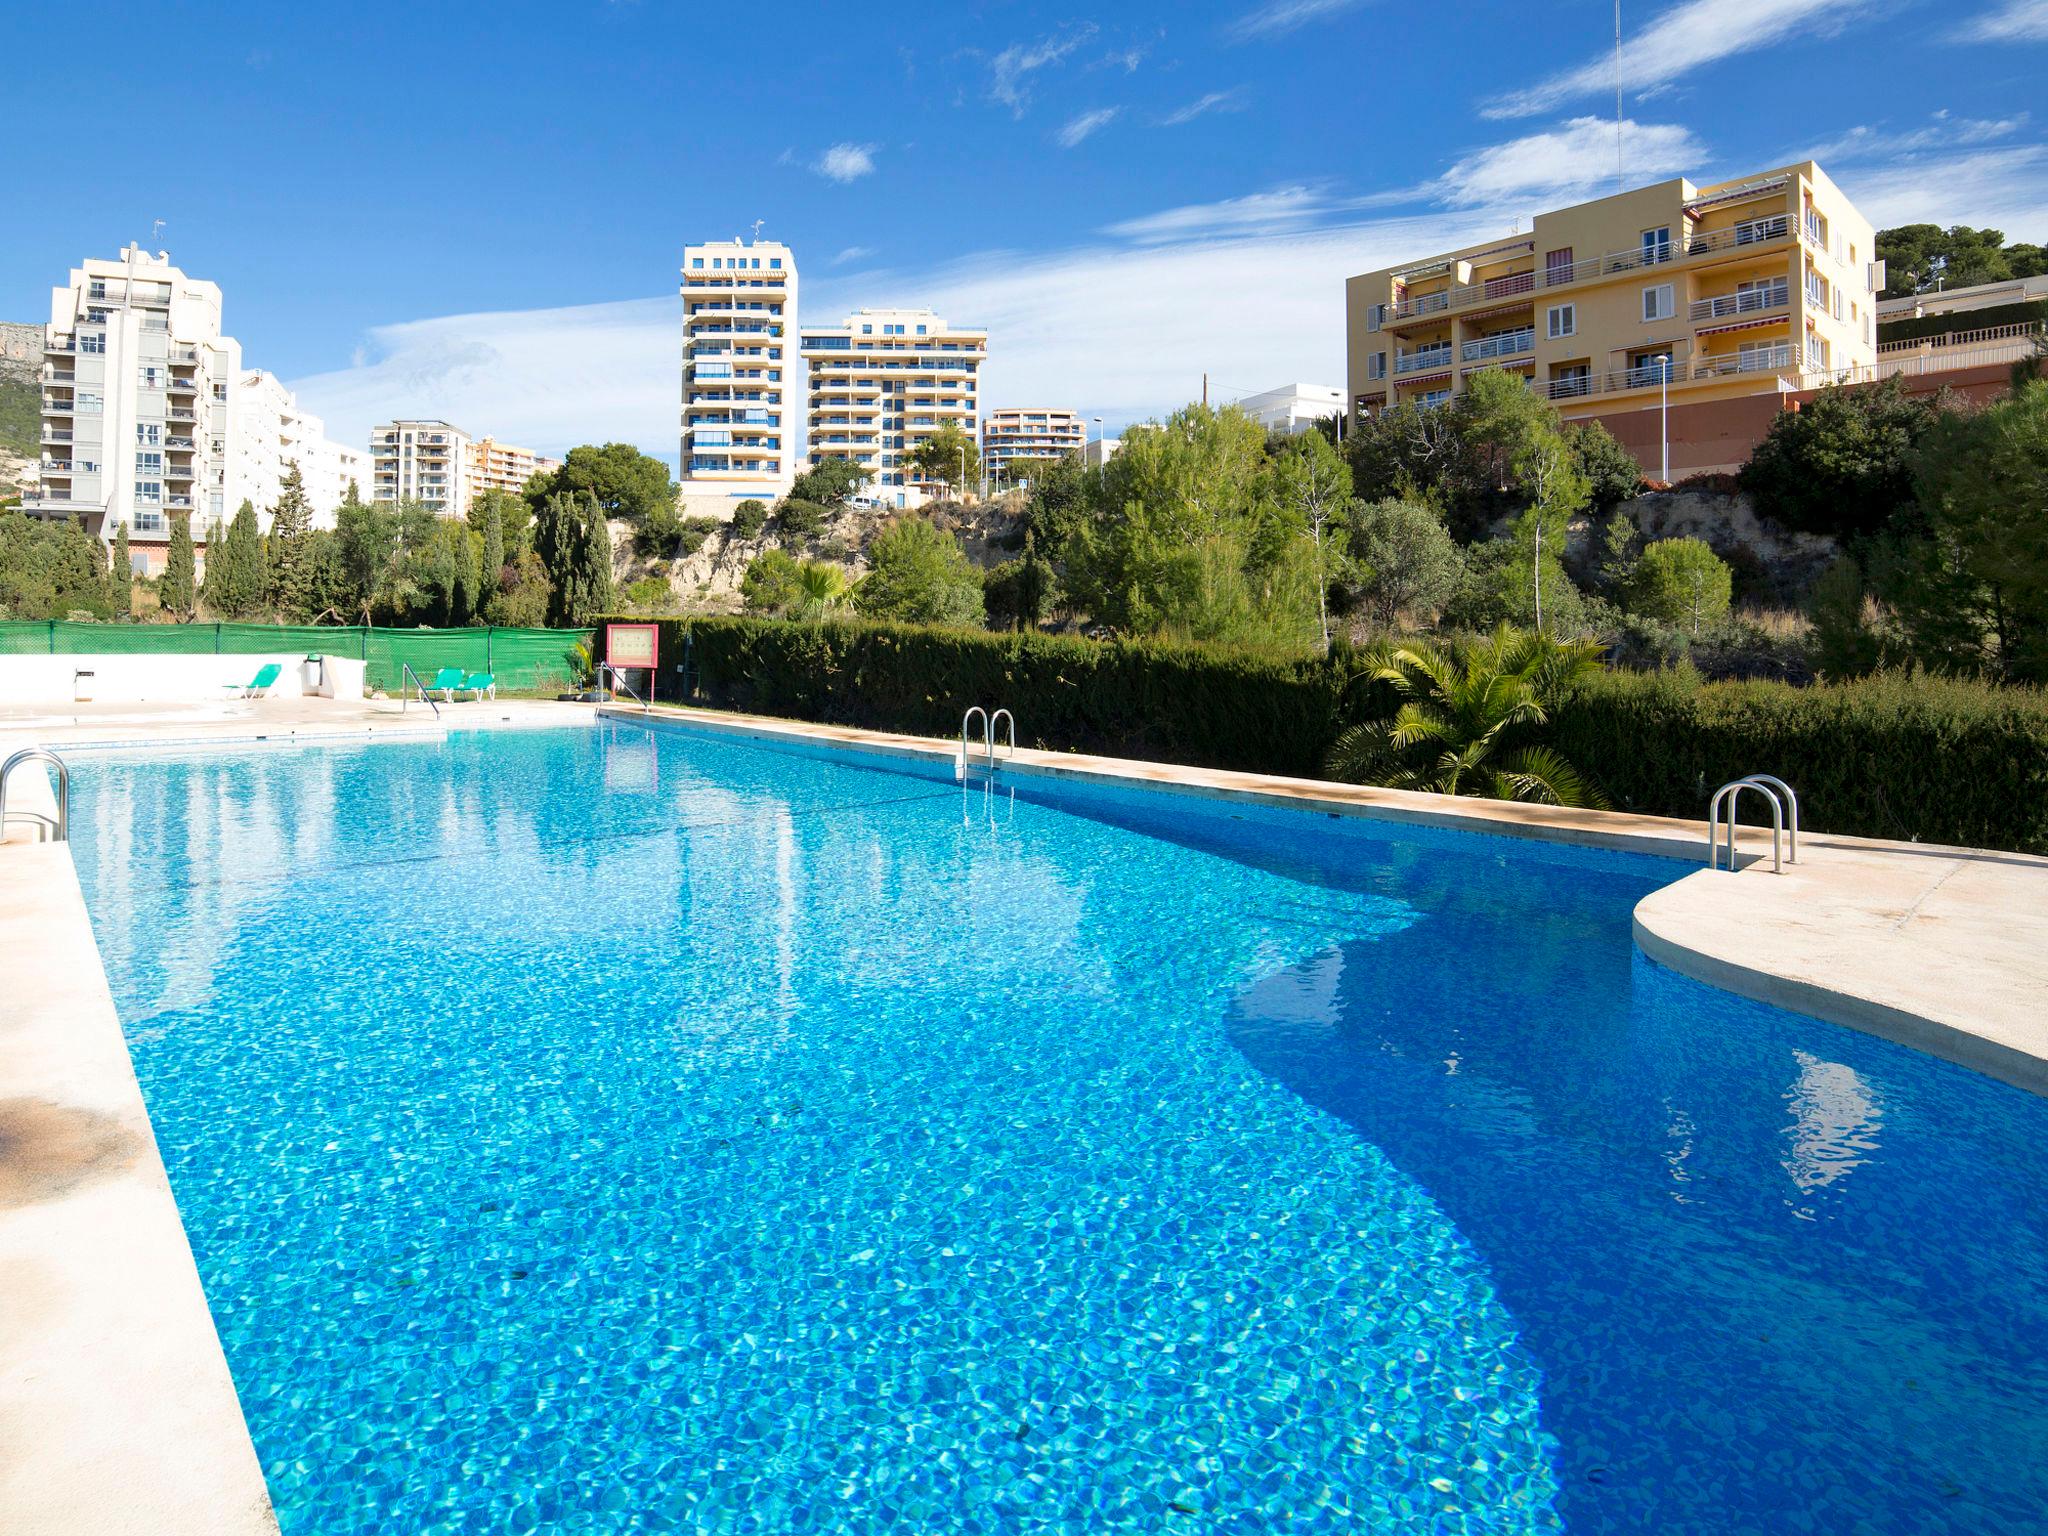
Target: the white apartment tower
(881, 384)
(1029, 432)
(739, 374)
(423, 461)
(138, 387)
(270, 433)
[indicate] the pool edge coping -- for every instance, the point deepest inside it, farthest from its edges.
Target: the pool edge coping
(112, 1358)
(1963, 1042)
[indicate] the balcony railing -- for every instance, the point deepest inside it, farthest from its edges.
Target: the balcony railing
(1423, 360)
(61, 344)
(1423, 304)
(1511, 344)
(179, 442)
(56, 434)
(1752, 360)
(56, 466)
(1749, 232)
(1748, 302)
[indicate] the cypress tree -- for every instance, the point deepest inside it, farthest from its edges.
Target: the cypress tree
(244, 578)
(174, 590)
(120, 578)
(291, 548)
(210, 579)
(491, 581)
(594, 561)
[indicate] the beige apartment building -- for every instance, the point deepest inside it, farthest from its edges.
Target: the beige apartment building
(881, 384)
(1721, 299)
(496, 466)
(1029, 432)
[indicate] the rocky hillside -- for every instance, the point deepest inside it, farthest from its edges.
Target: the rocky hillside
(21, 357)
(708, 581)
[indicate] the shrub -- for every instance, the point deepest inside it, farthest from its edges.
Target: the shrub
(797, 519)
(749, 518)
(650, 594)
(1683, 582)
(920, 575)
(1843, 464)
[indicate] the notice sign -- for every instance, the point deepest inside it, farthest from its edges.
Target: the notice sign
(632, 645)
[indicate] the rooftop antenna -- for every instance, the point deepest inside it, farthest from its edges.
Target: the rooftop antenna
(155, 228)
(1620, 165)
(757, 230)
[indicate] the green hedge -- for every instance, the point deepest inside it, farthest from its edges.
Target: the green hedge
(1940, 760)
(1173, 703)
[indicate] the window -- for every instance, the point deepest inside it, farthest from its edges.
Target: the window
(149, 432)
(1564, 320)
(1656, 246)
(1557, 268)
(775, 263)
(149, 490)
(150, 376)
(1816, 289)
(696, 263)
(1376, 366)
(1657, 303)
(1649, 367)
(1375, 316)
(92, 341)
(1571, 380)
(1434, 397)
(145, 522)
(220, 394)
(87, 403)
(1817, 351)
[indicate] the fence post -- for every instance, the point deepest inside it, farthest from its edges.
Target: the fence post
(216, 637)
(489, 631)
(53, 637)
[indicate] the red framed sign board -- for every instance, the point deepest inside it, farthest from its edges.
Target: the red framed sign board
(632, 645)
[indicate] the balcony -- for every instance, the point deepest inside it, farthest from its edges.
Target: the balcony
(1422, 304)
(1749, 232)
(1511, 344)
(56, 466)
(61, 344)
(1749, 301)
(56, 434)
(183, 386)
(185, 443)
(175, 413)
(1423, 360)
(1773, 359)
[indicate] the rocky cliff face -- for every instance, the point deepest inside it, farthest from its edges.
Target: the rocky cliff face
(21, 395)
(1771, 563)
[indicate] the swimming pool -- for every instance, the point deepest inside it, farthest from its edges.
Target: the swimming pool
(643, 1128)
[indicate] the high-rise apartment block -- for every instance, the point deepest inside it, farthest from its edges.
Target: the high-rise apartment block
(739, 427)
(269, 433)
(423, 461)
(496, 466)
(881, 384)
(1029, 432)
(138, 386)
(1717, 295)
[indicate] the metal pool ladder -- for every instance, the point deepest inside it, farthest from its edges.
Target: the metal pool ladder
(40, 755)
(620, 685)
(1777, 794)
(405, 671)
(988, 740)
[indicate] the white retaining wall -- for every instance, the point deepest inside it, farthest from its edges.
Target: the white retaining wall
(166, 679)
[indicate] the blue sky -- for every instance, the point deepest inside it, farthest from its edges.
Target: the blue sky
(477, 212)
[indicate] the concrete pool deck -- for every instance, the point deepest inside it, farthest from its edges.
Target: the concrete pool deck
(117, 1411)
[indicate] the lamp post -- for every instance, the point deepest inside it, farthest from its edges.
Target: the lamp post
(1664, 417)
(1084, 439)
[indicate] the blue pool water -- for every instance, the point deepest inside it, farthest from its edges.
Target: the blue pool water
(637, 1129)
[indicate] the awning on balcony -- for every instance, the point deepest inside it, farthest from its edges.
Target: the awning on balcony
(1506, 308)
(1755, 322)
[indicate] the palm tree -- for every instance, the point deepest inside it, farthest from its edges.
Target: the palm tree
(1462, 725)
(821, 588)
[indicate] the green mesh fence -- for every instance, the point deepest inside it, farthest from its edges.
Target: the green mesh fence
(525, 660)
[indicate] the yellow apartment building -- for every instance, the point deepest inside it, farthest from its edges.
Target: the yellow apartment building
(496, 466)
(1729, 297)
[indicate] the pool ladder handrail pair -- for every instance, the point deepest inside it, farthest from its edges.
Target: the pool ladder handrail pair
(39, 755)
(988, 740)
(1777, 794)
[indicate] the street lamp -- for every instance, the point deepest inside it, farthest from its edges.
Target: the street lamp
(1664, 417)
(1084, 439)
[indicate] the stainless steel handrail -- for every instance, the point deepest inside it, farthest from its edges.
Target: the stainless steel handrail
(619, 683)
(988, 737)
(1001, 714)
(40, 755)
(1777, 794)
(404, 671)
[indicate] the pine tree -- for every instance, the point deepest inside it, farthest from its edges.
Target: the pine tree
(121, 578)
(174, 589)
(291, 548)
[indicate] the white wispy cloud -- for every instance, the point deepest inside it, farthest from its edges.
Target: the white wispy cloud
(1568, 163)
(846, 162)
(1278, 210)
(2004, 188)
(1083, 124)
(1231, 100)
(1681, 39)
(1943, 132)
(1277, 16)
(2016, 21)
(852, 253)
(1011, 70)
